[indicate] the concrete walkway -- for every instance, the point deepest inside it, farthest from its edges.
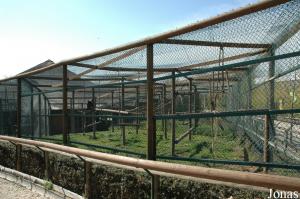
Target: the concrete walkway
(13, 191)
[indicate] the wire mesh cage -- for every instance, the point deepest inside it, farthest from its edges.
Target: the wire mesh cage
(222, 94)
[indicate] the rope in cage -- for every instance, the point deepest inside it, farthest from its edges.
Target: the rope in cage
(215, 89)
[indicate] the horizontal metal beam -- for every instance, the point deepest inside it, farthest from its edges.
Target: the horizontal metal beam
(227, 114)
(195, 71)
(233, 65)
(226, 59)
(82, 79)
(214, 44)
(231, 162)
(128, 68)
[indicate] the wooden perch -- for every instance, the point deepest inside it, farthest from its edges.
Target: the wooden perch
(112, 111)
(184, 135)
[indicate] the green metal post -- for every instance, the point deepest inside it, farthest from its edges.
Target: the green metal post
(266, 141)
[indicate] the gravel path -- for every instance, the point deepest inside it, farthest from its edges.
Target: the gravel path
(13, 191)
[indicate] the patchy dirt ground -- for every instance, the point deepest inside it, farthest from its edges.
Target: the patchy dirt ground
(13, 191)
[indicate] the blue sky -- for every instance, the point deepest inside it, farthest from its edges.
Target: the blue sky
(33, 31)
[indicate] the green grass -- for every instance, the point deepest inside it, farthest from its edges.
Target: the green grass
(226, 145)
(285, 95)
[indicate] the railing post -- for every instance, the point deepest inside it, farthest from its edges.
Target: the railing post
(46, 160)
(266, 140)
(87, 179)
(65, 105)
(18, 157)
(151, 129)
(173, 110)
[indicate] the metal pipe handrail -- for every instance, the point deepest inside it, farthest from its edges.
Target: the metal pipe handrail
(238, 177)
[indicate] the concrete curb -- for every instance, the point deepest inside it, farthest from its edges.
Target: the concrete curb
(36, 185)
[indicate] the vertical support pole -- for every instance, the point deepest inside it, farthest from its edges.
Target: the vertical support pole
(164, 111)
(249, 79)
(18, 133)
(46, 160)
(31, 113)
(19, 101)
(151, 130)
(271, 82)
(39, 113)
(49, 117)
(266, 140)
(73, 112)
(83, 118)
(65, 105)
(87, 178)
(196, 105)
(190, 106)
(93, 113)
(122, 109)
(173, 111)
(73, 100)
(271, 98)
(112, 107)
(204, 102)
(137, 109)
(1, 116)
(45, 116)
